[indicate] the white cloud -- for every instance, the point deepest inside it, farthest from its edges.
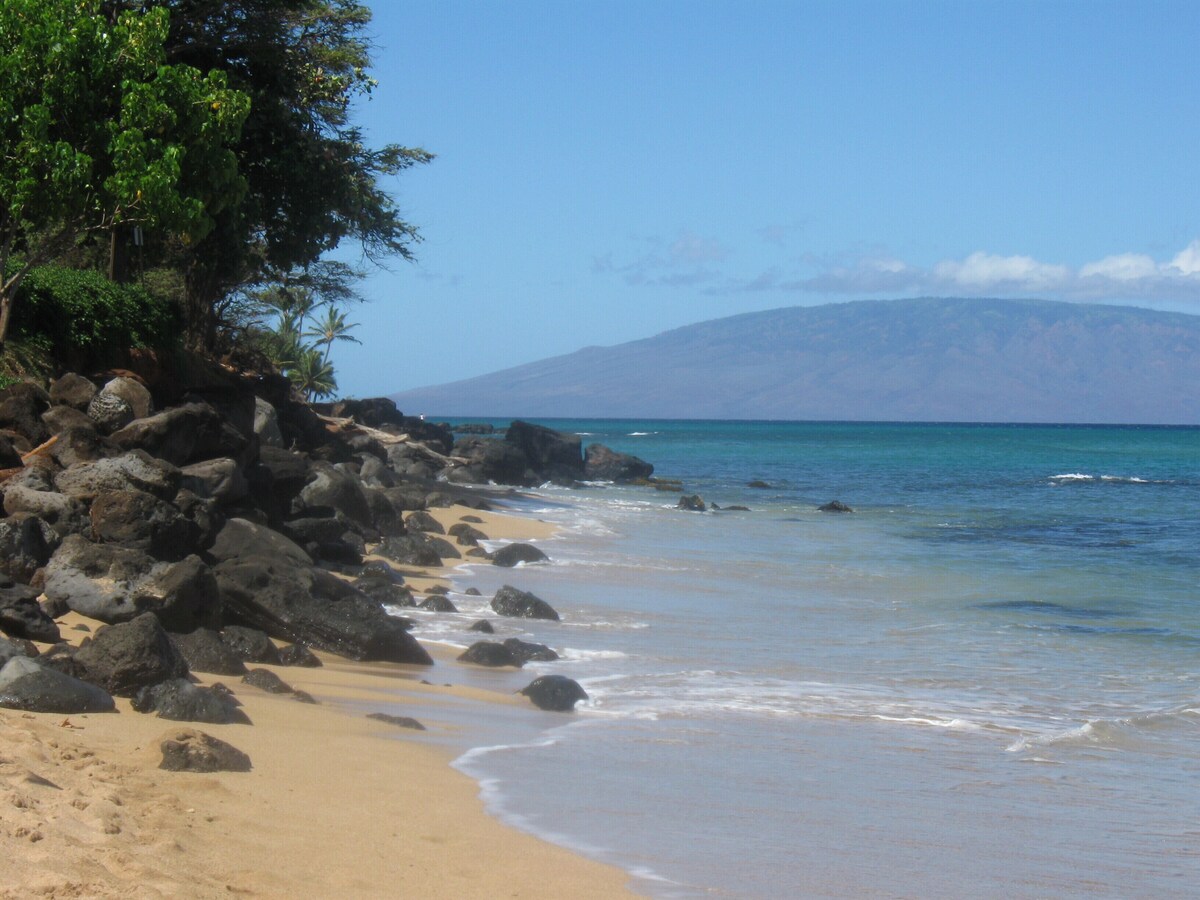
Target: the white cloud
(1123, 267)
(1187, 261)
(986, 271)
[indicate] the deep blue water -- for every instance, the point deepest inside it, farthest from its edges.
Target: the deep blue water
(983, 681)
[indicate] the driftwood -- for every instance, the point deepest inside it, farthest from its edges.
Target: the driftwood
(37, 451)
(338, 425)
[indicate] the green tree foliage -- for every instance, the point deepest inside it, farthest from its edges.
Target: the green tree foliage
(312, 182)
(97, 130)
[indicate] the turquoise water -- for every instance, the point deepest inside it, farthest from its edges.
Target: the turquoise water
(984, 681)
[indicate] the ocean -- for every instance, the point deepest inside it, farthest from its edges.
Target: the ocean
(984, 681)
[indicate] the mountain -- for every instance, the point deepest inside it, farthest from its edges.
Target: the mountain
(951, 360)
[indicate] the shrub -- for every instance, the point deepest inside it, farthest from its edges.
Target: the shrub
(87, 320)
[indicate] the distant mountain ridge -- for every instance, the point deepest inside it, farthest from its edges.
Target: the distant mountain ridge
(928, 359)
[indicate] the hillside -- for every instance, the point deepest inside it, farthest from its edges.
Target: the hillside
(903, 360)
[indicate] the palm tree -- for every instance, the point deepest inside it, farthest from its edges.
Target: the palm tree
(333, 327)
(312, 374)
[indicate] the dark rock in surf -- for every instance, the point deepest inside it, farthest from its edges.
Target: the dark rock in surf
(491, 654)
(514, 603)
(511, 554)
(691, 503)
(527, 651)
(555, 693)
(835, 506)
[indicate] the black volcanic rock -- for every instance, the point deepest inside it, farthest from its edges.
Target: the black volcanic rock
(511, 554)
(514, 603)
(602, 464)
(555, 693)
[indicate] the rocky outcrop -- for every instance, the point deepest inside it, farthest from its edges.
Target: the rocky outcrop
(513, 554)
(835, 506)
(602, 464)
(551, 454)
(527, 651)
(490, 654)
(692, 503)
(205, 651)
(127, 657)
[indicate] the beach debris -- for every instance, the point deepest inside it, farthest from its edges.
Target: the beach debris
(490, 654)
(27, 685)
(181, 701)
(514, 603)
(400, 721)
(188, 750)
(836, 506)
(555, 693)
(511, 554)
(691, 503)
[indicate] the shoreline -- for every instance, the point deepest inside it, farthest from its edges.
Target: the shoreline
(341, 804)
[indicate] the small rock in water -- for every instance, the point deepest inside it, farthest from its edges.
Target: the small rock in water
(691, 503)
(511, 554)
(401, 721)
(835, 506)
(555, 693)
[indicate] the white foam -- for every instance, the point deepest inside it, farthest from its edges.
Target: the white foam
(1073, 476)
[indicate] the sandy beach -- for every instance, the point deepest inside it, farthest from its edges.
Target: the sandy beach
(336, 804)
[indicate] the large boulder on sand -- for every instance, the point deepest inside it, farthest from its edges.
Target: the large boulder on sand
(491, 654)
(124, 658)
(305, 605)
(205, 651)
(509, 601)
(26, 685)
(22, 617)
(140, 521)
(188, 750)
(181, 701)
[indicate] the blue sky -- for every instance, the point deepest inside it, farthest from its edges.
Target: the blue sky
(607, 171)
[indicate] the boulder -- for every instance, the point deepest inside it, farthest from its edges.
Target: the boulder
(691, 503)
(109, 412)
(10, 458)
(73, 391)
(309, 606)
(205, 651)
(527, 651)
(556, 693)
(59, 419)
(76, 443)
(491, 654)
(133, 392)
(443, 548)
(251, 645)
(140, 521)
(399, 721)
(602, 464)
(25, 545)
(187, 750)
(22, 617)
(511, 554)
(300, 656)
(26, 685)
(438, 603)
(385, 590)
(21, 412)
(466, 535)
(266, 424)
(419, 520)
(551, 454)
(241, 538)
(124, 658)
(266, 680)
(216, 479)
(136, 470)
(181, 701)
(63, 514)
(115, 584)
(483, 625)
(334, 489)
(182, 435)
(514, 603)
(835, 506)
(410, 550)
(488, 459)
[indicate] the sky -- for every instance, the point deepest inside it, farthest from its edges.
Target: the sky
(606, 171)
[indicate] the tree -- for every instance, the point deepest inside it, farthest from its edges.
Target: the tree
(311, 180)
(333, 327)
(97, 131)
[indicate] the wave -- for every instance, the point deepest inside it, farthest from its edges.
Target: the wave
(1128, 733)
(1083, 478)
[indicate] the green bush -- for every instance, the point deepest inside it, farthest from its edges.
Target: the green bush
(87, 320)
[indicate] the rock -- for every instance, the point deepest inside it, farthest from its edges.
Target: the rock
(491, 654)
(115, 584)
(384, 515)
(241, 538)
(492, 460)
(602, 464)
(140, 521)
(132, 392)
(299, 655)
(216, 479)
(26, 685)
(10, 458)
(21, 408)
(76, 443)
(438, 603)
(59, 419)
(691, 503)
(400, 721)
(21, 617)
(551, 454)
(473, 592)
(73, 391)
(277, 479)
(25, 545)
(526, 651)
(125, 658)
(340, 491)
(376, 473)
(758, 485)
(385, 591)
(443, 548)
(187, 750)
(410, 550)
(181, 701)
(63, 514)
(423, 521)
(520, 604)
(266, 680)
(266, 424)
(467, 535)
(511, 554)
(737, 509)
(251, 645)
(333, 539)
(303, 697)
(205, 651)
(836, 506)
(182, 435)
(309, 606)
(556, 693)
(136, 470)
(483, 625)
(109, 412)
(13, 648)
